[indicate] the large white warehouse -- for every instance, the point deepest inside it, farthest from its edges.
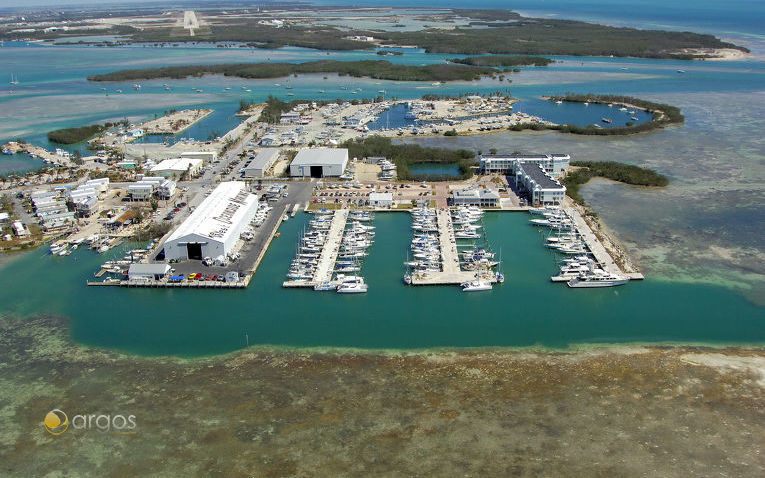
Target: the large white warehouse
(319, 163)
(214, 227)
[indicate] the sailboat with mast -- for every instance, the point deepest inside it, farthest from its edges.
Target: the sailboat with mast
(14, 79)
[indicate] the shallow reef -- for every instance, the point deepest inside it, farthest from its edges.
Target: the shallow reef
(592, 411)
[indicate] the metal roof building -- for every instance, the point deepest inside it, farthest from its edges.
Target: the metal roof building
(481, 197)
(319, 163)
(541, 187)
(214, 227)
(177, 167)
(554, 164)
(148, 271)
(257, 167)
(381, 199)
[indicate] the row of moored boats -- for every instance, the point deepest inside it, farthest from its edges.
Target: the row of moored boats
(357, 237)
(578, 269)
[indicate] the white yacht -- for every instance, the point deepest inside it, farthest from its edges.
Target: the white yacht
(56, 247)
(475, 285)
(597, 279)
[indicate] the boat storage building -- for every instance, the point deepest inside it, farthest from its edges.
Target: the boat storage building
(213, 229)
(257, 166)
(319, 163)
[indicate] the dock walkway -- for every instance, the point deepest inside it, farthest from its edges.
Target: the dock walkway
(450, 270)
(328, 256)
(600, 253)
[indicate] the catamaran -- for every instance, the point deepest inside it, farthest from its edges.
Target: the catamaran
(356, 287)
(475, 285)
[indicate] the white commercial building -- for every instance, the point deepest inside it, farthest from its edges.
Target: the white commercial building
(177, 167)
(319, 163)
(542, 189)
(214, 227)
(257, 166)
(290, 117)
(141, 191)
(86, 206)
(147, 272)
(553, 164)
(19, 229)
(207, 157)
(166, 190)
(481, 197)
(101, 185)
(381, 199)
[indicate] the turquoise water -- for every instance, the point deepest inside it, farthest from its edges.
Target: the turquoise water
(526, 310)
(19, 163)
(435, 169)
(699, 240)
(580, 115)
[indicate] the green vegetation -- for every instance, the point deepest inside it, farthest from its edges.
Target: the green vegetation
(405, 155)
(378, 69)
(76, 135)
(7, 34)
(536, 36)
(621, 172)
(503, 60)
(275, 107)
(257, 35)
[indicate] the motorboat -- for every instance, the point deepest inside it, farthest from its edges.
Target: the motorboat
(597, 278)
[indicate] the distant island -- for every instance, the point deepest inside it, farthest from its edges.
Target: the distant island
(503, 60)
(537, 36)
(476, 32)
(615, 171)
(378, 69)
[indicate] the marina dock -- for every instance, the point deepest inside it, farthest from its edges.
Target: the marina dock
(329, 252)
(451, 273)
(603, 258)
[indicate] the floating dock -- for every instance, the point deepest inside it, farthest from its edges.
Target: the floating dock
(328, 256)
(603, 258)
(450, 273)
